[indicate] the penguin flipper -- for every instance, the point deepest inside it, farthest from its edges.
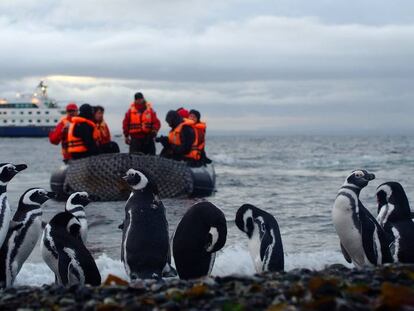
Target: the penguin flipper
(15, 225)
(345, 253)
(367, 233)
(64, 267)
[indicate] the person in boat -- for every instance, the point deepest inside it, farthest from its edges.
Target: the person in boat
(60, 134)
(103, 140)
(82, 135)
(140, 126)
(181, 143)
(184, 113)
(200, 128)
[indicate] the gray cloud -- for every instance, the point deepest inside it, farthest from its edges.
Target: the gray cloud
(286, 65)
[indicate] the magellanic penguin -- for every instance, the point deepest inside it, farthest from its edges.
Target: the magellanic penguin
(145, 242)
(363, 240)
(265, 243)
(23, 234)
(7, 172)
(394, 215)
(200, 234)
(75, 205)
(66, 255)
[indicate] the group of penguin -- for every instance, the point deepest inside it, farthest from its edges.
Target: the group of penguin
(146, 248)
(369, 241)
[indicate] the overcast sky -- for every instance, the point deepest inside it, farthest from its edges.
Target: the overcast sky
(288, 66)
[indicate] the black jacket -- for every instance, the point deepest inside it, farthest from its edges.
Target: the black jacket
(85, 132)
(187, 139)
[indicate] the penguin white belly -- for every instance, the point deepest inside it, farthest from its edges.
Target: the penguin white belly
(348, 234)
(254, 249)
(47, 254)
(5, 210)
(84, 229)
(29, 242)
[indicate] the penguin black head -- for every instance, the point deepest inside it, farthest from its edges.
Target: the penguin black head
(9, 170)
(36, 196)
(248, 220)
(138, 181)
(67, 222)
(76, 199)
(135, 179)
(392, 203)
(359, 179)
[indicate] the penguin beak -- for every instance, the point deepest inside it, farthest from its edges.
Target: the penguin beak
(93, 197)
(51, 195)
(370, 177)
(20, 167)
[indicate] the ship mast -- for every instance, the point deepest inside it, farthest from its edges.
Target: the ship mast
(43, 88)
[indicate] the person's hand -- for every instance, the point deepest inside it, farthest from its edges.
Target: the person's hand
(163, 140)
(127, 140)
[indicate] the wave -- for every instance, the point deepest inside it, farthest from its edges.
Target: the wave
(232, 260)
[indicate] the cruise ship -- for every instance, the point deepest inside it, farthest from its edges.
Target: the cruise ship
(31, 115)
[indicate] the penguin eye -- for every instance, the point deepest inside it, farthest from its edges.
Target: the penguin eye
(263, 227)
(9, 168)
(359, 174)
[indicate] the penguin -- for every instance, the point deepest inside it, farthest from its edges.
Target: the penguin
(75, 205)
(199, 235)
(363, 241)
(394, 215)
(145, 242)
(265, 243)
(7, 172)
(23, 234)
(66, 255)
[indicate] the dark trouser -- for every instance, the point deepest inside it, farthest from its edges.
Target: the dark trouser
(144, 145)
(111, 147)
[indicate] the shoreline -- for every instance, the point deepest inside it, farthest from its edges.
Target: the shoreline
(334, 288)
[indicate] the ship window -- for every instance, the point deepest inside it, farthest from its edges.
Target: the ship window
(30, 112)
(21, 121)
(38, 121)
(30, 121)
(13, 121)
(5, 112)
(13, 112)
(47, 120)
(21, 112)
(4, 121)
(38, 112)
(46, 112)
(56, 120)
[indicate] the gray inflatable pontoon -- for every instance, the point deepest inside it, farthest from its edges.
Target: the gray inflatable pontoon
(100, 176)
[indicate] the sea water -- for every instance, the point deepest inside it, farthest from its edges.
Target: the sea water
(295, 178)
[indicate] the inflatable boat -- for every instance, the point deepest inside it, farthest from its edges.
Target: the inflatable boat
(101, 177)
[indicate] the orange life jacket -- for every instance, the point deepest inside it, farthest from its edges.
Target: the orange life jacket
(64, 140)
(174, 138)
(76, 144)
(140, 123)
(201, 131)
(104, 136)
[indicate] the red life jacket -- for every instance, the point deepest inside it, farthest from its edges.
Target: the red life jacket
(141, 123)
(174, 138)
(76, 144)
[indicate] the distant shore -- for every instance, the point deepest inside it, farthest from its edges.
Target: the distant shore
(334, 288)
